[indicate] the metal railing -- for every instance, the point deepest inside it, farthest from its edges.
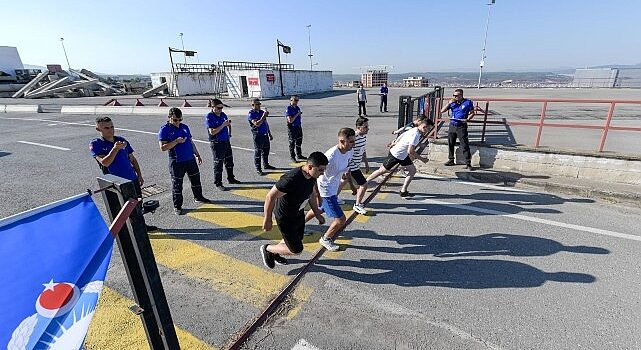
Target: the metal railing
(254, 65)
(541, 123)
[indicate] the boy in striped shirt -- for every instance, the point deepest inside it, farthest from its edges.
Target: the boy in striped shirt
(360, 147)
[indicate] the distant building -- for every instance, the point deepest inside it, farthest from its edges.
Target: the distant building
(628, 78)
(373, 78)
(415, 82)
(607, 78)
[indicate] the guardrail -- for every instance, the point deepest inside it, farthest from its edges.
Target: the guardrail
(541, 123)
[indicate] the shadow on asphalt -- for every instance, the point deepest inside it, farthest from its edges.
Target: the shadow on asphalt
(2, 154)
(463, 273)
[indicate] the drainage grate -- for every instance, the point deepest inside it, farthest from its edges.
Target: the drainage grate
(152, 190)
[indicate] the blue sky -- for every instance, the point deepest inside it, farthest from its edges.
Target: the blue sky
(132, 36)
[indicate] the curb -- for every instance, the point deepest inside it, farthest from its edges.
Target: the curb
(512, 179)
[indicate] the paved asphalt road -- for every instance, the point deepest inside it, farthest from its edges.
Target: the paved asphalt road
(460, 266)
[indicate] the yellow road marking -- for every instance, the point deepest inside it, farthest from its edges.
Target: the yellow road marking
(253, 224)
(114, 327)
(233, 277)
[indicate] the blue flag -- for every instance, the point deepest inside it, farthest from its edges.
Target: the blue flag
(53, 262)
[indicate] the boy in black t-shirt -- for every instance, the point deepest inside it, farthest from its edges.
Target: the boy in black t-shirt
(288, 197)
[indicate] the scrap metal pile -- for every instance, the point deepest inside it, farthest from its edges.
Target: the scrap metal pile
(55, 82)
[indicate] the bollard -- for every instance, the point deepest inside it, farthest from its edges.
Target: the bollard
(138, 103)
(162, 103)
(185, 104)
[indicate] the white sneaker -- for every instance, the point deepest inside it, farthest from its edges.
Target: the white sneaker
(359, 208)
(328, 244)
(340, 201)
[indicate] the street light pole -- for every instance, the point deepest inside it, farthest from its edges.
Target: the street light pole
(309, 38)
(62, 41)
(487, 24)
(183, 46)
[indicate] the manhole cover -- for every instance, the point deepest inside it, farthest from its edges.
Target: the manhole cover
(152, 190)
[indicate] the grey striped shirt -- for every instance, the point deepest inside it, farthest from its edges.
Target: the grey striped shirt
(359, 149)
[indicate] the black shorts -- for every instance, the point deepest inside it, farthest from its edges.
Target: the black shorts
(357, 175)
(390, 161)
(292, 230)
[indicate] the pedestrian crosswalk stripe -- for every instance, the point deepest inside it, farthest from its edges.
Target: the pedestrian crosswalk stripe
(253, 225)
(233, 277)
(114, 327)
(260, 193)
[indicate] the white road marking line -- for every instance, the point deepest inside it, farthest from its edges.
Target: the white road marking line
(123, 129)
(52, 124)
(537, 220)
(304, 345)
(43, 145)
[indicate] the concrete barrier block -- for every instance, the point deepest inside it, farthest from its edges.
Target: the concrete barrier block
(195, 111)
(78, 110)
(22, 109)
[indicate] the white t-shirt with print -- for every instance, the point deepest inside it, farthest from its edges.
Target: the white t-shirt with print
(410, 137)
(338, 165)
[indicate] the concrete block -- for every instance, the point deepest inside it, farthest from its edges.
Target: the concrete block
(23, 109)
(78, 110)
(152, 110)
(117, 110)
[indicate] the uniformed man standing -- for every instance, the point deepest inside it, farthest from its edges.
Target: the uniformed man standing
(184, 158)
(219, 131)
(116, 156)
(294, 117)
(257, 119)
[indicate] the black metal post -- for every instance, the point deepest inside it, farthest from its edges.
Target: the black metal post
(280, 69)
(140, 265)
(403, 102)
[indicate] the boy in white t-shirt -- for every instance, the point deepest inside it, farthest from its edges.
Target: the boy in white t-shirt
(338, 157)
(403, 152)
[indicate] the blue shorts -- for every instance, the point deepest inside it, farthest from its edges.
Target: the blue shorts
(331, 207)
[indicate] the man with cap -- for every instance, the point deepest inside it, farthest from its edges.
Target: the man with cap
(262, 136)
(116, 156)
(293, 115)
(175, 139)
(219, 131)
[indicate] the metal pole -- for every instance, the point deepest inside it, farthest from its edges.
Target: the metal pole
(62, 41)
(309, 38)
(173, 92)
(183, 46)
(487, 24)
(280, 69)
(140, 265)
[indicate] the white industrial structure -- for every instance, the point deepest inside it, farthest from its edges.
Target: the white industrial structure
(10, 60)
(607, 78)
(242, 80)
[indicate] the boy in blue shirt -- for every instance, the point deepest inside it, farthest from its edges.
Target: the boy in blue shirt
(175, 139)
(116, 156)
(262, 136)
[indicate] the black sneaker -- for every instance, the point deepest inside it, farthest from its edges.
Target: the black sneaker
(293, 159)
(279, 260)
(151, 228)
(233, 181)
(269, 167)
(406, 194)
(221, 187)
(469, 167)
(268, 258)
(260, 172)
(450, 163)
(178, 211)
(202, 200)
(302, 157)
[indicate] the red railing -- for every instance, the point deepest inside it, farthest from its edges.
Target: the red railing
(542, 123)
